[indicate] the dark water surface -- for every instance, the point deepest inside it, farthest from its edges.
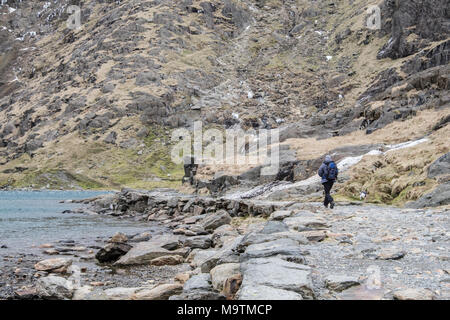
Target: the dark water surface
(31, 218)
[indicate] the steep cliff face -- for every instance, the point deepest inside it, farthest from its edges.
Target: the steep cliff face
(95, 106)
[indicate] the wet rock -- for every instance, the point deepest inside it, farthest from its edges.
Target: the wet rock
(221, 273)
(112, 252)
(340, 283)
(161, 292)
(57, 265)
(215, 220)
(53, 287)
(413, 294)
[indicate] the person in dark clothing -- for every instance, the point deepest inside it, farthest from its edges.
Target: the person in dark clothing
(328, 171)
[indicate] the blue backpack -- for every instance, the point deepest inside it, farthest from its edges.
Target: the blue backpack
(332, 171)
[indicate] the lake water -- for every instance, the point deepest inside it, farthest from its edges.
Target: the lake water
(31, 218)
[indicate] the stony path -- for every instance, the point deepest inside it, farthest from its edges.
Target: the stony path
(290, 250)
(409, 248)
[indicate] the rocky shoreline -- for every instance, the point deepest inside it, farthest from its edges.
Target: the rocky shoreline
(244, 249)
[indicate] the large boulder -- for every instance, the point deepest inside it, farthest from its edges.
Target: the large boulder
(215, 220)
(287, 247)
(438, 197)
(112, 252)
(257, 238)
(279, 274)
(145, 252)
(440, 167)
(198, 242)
(53, 287)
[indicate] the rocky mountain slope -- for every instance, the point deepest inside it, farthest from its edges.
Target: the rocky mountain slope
(95, 107)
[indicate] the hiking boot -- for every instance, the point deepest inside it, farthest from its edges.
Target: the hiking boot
(332, 205)
(326, 205)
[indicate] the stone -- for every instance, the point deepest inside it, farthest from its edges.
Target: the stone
(82, 293)
(112, 252)
(279, 274)
(118, 238)
(414, 294)
(54, 287)
(198, 282)
(256, 238)
(361, 292)
(391, 254)
(219, 274)
(340, 283)
(306, 223)
(280, 215)
(167, 260)
(215, 220)
(198, 295)
(182, 277)
(161, 292)
(120, 293)
(145, 236)
(144, 252)
(199, 242)
(227, 254)
(440, 167)
(315, 236)
(231, 286)
(274, 227)
(286, 247)
(261, 292)
(58, 265)
(438, 197)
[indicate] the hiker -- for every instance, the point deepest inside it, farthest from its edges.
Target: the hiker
(328, 171)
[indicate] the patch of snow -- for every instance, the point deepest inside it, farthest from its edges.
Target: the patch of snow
(329, 58)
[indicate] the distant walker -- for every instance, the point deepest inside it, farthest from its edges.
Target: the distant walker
(328, 171)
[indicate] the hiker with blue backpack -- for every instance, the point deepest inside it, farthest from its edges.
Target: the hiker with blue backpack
(328, 171)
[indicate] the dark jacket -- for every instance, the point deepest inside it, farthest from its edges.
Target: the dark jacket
(323, 171)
